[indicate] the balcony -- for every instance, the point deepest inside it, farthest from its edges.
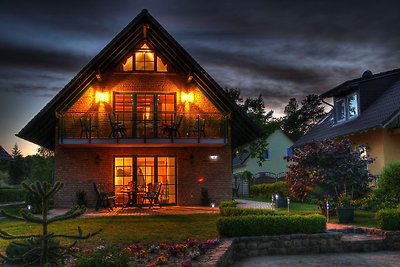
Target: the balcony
(179, 129)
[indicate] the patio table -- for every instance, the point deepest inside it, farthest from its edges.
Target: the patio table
(132, 197)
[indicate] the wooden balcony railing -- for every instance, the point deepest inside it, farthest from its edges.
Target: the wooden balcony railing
(104, 128)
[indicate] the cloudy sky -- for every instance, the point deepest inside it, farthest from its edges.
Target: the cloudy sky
(280, 49)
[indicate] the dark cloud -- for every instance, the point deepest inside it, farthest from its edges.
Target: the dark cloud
(281, 49)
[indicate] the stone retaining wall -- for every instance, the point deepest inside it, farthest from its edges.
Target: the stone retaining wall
(336, 240)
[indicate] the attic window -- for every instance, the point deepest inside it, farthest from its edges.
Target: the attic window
(144, 59)
(346, 108)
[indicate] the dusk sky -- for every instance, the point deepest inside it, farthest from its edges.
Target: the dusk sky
(281, 49)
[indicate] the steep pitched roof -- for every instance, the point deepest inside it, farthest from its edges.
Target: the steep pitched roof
(378, 115)
(4, 154)
(41, 129)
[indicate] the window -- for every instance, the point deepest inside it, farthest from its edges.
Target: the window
(346, 108)
(266, 154)
(144, 59)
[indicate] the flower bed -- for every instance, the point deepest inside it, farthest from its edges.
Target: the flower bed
(182, 254)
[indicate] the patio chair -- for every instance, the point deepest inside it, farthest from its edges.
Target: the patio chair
(104, 199)
(172, 130)
(118, 128)
(87, 127)
(153, 196)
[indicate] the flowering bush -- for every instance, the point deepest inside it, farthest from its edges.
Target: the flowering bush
(181, 254)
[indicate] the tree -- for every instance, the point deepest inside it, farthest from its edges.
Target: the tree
(329, 168)
(16, 170)
(298, 121)
(42, 249)
(255, 109)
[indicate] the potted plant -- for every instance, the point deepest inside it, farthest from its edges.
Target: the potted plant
(345, 211)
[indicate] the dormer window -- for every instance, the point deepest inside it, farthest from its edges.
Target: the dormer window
(346, 108)
(144, 59)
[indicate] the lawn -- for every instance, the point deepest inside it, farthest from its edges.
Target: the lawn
(127, 230)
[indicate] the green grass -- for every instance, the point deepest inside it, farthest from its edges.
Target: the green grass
(127, 229)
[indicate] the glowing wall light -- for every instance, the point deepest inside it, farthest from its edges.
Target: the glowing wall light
(102, 97)
(187, 97)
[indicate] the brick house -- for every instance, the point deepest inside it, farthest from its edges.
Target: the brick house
(142, 110)
(367, 111)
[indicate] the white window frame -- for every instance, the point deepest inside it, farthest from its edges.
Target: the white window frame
(346, 100)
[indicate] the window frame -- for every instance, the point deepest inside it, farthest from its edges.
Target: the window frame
(346, 100)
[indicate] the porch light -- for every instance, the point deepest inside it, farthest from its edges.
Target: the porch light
(200, 179)
(187, 97)
(102, 97)
(214, 157)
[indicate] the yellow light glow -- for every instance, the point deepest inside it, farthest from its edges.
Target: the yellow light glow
(187, 97)
(102, 97)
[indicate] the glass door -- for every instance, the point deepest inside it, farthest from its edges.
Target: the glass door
(144, 115)
(144, 172)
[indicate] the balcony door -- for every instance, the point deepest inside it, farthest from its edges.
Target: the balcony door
(143, 113)
(144, 172)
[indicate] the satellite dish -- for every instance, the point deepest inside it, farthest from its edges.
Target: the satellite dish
(367, 74)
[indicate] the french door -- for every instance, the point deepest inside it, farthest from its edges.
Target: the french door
(144, 112)
(144, 172)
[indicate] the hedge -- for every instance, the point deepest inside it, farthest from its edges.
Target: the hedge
(259, 225)
(267, 190)
(388, 219)
(229, 211)
(224, 204)
(12, 194)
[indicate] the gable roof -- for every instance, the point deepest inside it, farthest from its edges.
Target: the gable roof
(41, 129)
(239, 161)
(4, 154)
(377, 115)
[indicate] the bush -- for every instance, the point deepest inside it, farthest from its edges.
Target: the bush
(388, 219)
(230, 211)
(267, 190)
(12, 194)
(26, 251)
(377, 200)
(389, 181)
(257, 225)
(224, 204)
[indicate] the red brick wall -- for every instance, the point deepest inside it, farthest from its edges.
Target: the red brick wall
(77, 168)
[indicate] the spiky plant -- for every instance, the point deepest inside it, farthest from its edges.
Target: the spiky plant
(44, 246)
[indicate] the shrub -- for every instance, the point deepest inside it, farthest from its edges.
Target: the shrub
(25, 251)
(257, 225)
(267, 190)
(388, 219)
(377, 200)
(389, 181)
(229, 211)
(224, 204)
(12, 194)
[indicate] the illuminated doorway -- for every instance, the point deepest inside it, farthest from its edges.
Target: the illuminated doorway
(144, 172)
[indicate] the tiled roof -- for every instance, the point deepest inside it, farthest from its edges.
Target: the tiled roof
(377, 115)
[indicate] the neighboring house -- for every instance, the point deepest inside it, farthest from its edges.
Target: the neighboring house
(4, 155)
(271, 169)
(143, 107)
(367, 111)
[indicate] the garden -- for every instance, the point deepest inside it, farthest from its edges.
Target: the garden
(324, 177)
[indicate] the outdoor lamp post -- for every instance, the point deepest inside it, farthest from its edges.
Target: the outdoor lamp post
(327, 211)
(288, 204)
(276, 198)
